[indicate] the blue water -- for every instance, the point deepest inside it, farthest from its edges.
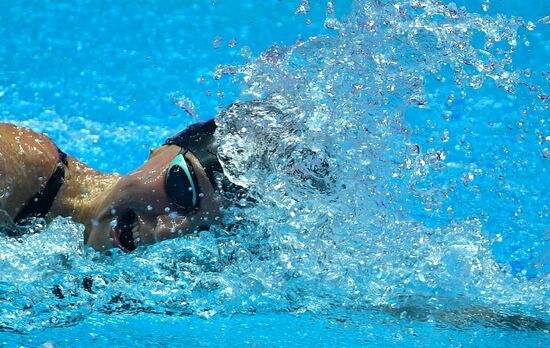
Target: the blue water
(430, 226)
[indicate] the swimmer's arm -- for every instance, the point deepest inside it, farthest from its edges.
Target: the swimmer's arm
(469, 315)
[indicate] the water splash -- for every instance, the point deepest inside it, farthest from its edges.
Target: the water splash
(331, 156)
(334, 167)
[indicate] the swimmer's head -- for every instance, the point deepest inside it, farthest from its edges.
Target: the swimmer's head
(176, 192)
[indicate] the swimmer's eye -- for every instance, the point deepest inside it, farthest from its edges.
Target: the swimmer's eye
(181, 185)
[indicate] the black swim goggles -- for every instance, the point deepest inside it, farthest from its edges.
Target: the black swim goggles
(181, 185)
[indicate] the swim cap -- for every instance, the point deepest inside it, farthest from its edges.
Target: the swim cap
(199, 139)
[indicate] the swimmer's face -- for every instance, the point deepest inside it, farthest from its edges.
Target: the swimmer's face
(137, 211)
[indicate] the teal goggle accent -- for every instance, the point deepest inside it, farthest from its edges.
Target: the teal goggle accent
(181, 185)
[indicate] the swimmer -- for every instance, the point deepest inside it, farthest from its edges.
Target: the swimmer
(176, 192)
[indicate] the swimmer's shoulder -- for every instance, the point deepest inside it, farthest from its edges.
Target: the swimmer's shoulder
(12, 131)
(27, 160)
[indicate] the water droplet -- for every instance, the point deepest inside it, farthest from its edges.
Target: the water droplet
(530, 26)
(303, 8)
(330, 7)
(332, 23)
(185, 104)
(445, 136)
(167, 209)
(477, 81)
(467, 178)
(485, 6)
(217, 41)
(113, 211)
(149, 207)
(246, 52)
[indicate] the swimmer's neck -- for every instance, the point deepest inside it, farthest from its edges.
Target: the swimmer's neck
(83, 190)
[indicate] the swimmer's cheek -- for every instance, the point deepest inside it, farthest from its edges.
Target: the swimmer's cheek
(168, 227)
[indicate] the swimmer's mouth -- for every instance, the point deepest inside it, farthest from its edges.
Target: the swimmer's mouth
(125, 232)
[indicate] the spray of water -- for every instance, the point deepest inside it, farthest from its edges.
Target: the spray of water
(322, 143)
(329, 154)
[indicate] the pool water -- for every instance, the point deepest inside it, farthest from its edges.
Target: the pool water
(399, 160)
